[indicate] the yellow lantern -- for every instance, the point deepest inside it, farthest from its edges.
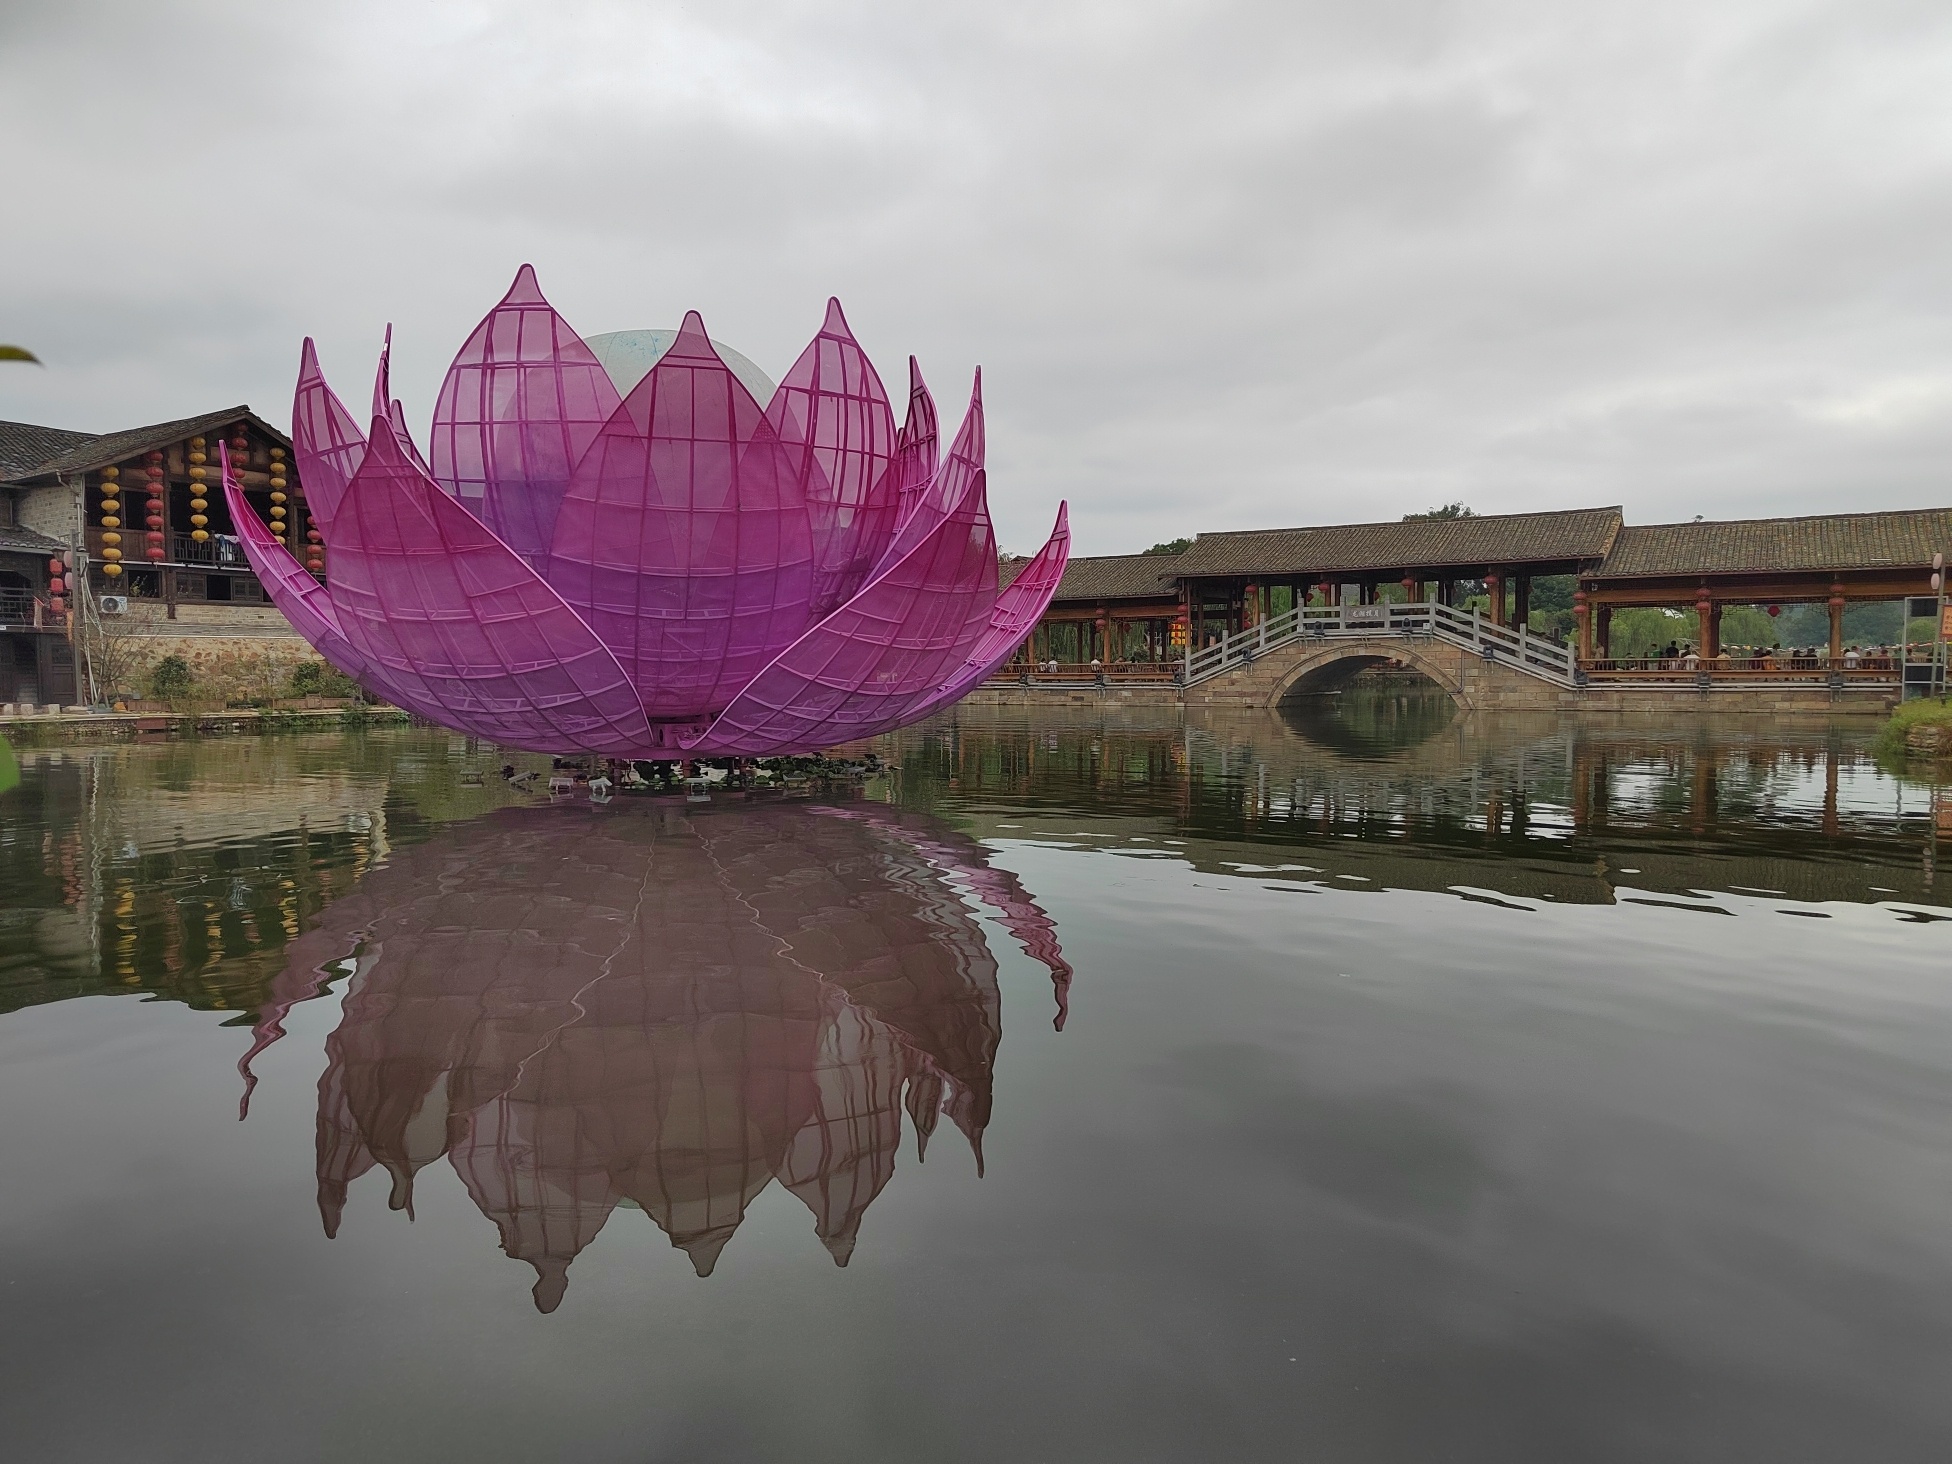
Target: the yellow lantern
(277, 512)
(199, 535)
(111, 570)
(277, 497)
(111, 538)
(198, 520)
(110, 521)
(111, 554)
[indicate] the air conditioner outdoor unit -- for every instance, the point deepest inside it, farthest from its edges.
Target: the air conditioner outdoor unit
(115, 604)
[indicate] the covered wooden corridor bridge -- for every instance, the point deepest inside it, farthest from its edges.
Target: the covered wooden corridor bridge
(1229, 596)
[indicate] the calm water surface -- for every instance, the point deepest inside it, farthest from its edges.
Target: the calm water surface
(1356, 1085)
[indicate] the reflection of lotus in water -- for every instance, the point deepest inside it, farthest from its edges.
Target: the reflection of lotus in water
(660, 1011)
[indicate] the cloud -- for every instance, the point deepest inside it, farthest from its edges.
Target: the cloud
(1224, 264)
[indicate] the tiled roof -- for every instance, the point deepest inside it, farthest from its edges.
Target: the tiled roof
(16, 540)
(1841, 541)
(1487, 541)
(1110, 577)
(24, 446)
(99, 452)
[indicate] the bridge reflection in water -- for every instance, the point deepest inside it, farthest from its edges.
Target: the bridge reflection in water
(1397, 790)
(658, 1011)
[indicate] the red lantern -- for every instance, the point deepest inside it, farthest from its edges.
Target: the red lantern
(56, 585)
(58, 605)
(55, 566)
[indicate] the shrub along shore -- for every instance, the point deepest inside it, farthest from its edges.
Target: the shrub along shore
(1919, 729)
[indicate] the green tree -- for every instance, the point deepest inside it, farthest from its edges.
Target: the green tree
(1642, 632)
(1171, 546)
(171, 679)
(1445, 511)
(315, 678)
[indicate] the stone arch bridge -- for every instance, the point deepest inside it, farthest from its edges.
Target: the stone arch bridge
(1301, 666)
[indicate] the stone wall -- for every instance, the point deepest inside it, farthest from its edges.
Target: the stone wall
(49, 511)
(235, 651)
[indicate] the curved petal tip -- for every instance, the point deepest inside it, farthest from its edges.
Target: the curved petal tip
(524, 290)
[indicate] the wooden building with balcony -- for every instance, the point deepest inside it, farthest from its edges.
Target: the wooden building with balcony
(139, 520)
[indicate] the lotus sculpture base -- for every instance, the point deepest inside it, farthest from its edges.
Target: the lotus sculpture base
(668, 571)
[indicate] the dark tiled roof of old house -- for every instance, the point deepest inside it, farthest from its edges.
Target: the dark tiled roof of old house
(1110, 577)
(16, 540)
(98, 452)
(1489, 540)
(24, 446)
(1833, 542)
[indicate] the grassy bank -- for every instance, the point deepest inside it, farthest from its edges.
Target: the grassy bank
(1934, 712)
(55, 731)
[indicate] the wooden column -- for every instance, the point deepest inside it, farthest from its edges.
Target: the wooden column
(1836, 626)
(1523, 612)
(1707, 625)
(1604, 630)
(1495, 584)
(1582, 619)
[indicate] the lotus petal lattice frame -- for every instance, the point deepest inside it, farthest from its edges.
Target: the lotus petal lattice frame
(671, 572)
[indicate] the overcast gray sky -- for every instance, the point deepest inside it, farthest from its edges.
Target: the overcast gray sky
(1224, 265)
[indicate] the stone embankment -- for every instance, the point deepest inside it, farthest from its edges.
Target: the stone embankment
(83, 724)
(1930, 739)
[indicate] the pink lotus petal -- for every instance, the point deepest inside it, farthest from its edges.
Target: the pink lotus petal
(928, 505)
(307, 604)
(1018, 609)
(326, 442)
(385, 406)
(864, 668)
(684, 539)
(427, 592)
(833, 419)
(522, 403)
(915, 456)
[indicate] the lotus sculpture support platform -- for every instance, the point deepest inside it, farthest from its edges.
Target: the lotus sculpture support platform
(675, 570)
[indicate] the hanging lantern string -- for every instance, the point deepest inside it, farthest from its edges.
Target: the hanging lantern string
(111, 519)
(154, 470)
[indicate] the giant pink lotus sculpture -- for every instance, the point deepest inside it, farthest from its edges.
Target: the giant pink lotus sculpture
(675, 572)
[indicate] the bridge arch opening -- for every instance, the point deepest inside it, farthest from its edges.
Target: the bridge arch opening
(1367, 703)
(1362, 670)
